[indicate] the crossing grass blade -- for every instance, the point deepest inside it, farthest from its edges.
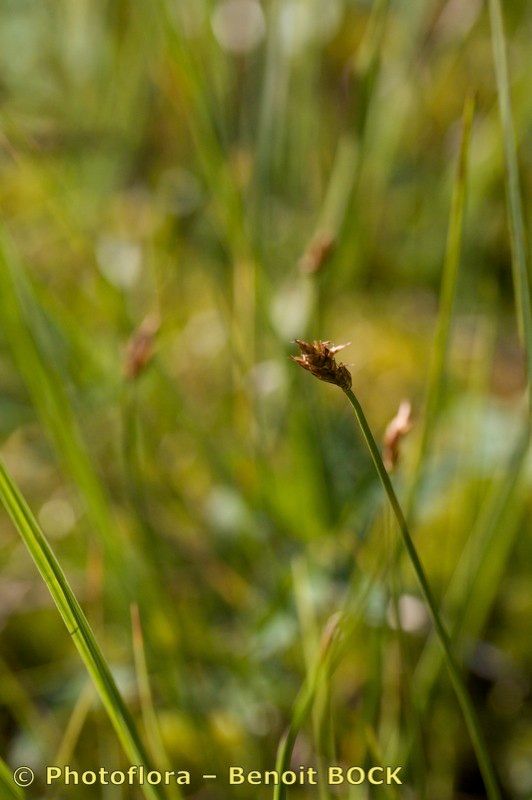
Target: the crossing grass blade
(76, 624)
(320, 670)
(318, 676)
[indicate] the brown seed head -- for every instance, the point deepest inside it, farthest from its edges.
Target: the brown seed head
(400, 425)
(318, 358)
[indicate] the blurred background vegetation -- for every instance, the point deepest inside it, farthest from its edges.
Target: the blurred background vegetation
(236, 174)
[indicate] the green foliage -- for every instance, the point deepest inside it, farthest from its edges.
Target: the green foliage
(329, 171)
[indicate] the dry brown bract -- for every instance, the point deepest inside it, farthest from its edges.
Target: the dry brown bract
(400, 425)
(140, 347)
(318, 358)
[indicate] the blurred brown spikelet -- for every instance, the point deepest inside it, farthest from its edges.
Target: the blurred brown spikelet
(139, 350)
(399, 426)
(318, 358)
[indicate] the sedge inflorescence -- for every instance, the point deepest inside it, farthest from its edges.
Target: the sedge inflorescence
(319, 358)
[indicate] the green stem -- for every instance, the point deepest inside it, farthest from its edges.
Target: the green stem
(457, 681)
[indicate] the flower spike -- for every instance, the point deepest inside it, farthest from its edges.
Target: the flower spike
(318, 358)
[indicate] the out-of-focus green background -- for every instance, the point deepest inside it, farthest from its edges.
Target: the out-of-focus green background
(249, 173)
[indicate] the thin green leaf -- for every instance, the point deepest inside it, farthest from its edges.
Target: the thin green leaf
(449, 279)
(515, 206)
(19, 314)
(77, 625)
(10, 790)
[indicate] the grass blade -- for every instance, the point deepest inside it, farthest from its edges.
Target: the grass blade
(151, 723)
(77, 625)
(19, 311)
(515, 205)
(318, 675)
(345, 170)
(338, 631)
(447, 296)
(75, 725)
(10, 791)
(471, 592)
